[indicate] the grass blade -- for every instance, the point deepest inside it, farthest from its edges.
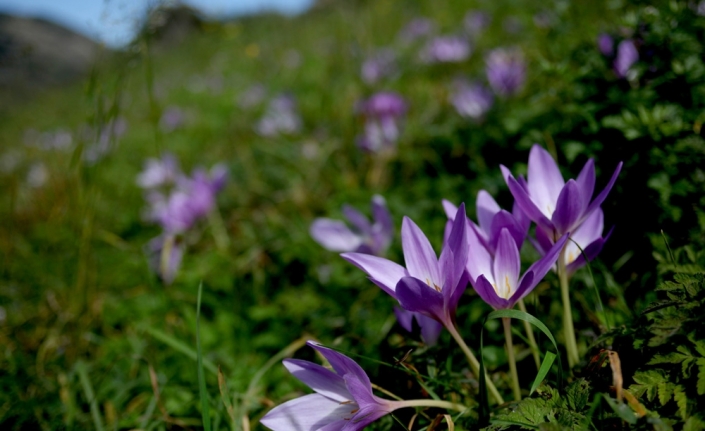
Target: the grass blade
(90, 395)
(205, 408)
(180, 346)
(543, 371)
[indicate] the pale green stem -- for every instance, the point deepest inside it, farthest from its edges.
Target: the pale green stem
(475, 364)
(568, 330)
(220, 235)
(530, 336)
(430, 403)
(507, 323)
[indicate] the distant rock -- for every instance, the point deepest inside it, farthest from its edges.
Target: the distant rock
(35, 53)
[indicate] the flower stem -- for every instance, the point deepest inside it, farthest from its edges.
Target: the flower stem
(530, 336)
(431, 403)
(568, 330)
(507, 323)
(474, 363)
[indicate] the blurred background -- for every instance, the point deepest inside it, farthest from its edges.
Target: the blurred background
(147, 148)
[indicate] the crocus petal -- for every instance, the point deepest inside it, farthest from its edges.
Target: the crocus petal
(384, 273)
(430, 329)
(343, 365)
(568, 208)
(457, 243)
(449, 208)
(308, 413)
(544, 179)
(591, 251)
(603, 194)
(586, 183)
(488, 294)
(522, 219)
(526, 203)
(589, 231)
(507, 265)
(404, 317)
(357, 219)
(421, 260)
(480, 260)
(543, 241)
(505, 220)
(454, 299)
(487, 207)
(415, 295)
(318, 378)
(334, 235)
(381, 215)
(543, 265)
(526, 285)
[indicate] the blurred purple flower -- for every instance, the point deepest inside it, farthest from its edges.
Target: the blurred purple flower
(417, 28)
(383, 113)
(544, 19)
(343, 400)
(506, 70)
(281, 117)
(57, 140)
(445, 49)
(496, 277)
(192, 199)
(172, 118)
(428, 285)
(159, 172)
(164, 254)
(430, 328)
(471, 100)
(476, 21)
(365, 237)
(379, 66)
(491, 220)
(700, 8)
(627, 55)
(556, 206)
(588, 236)
(605, 44)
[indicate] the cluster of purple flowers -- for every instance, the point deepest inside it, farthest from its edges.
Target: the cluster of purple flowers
(627, 54)
(176, 202)
(485, 255)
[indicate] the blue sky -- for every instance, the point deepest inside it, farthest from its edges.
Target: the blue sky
(114, 22)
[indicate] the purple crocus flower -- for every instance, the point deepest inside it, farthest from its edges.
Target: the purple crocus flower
(159, 172)
(605, 44)
(430, 328)
(379, 66)
(383, 112)
(492, 219)
(364, 237)
(446, 49)
(506, 70)
(627, 55)
(588, 236)
(192, 199)
(472, 100)
(343, 398)
(496, 277)
(556, 206)
(428, 285)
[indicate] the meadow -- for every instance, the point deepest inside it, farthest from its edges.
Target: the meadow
(169, 230)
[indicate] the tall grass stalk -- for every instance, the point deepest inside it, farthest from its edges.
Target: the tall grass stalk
(507, 323)
(530, 335)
